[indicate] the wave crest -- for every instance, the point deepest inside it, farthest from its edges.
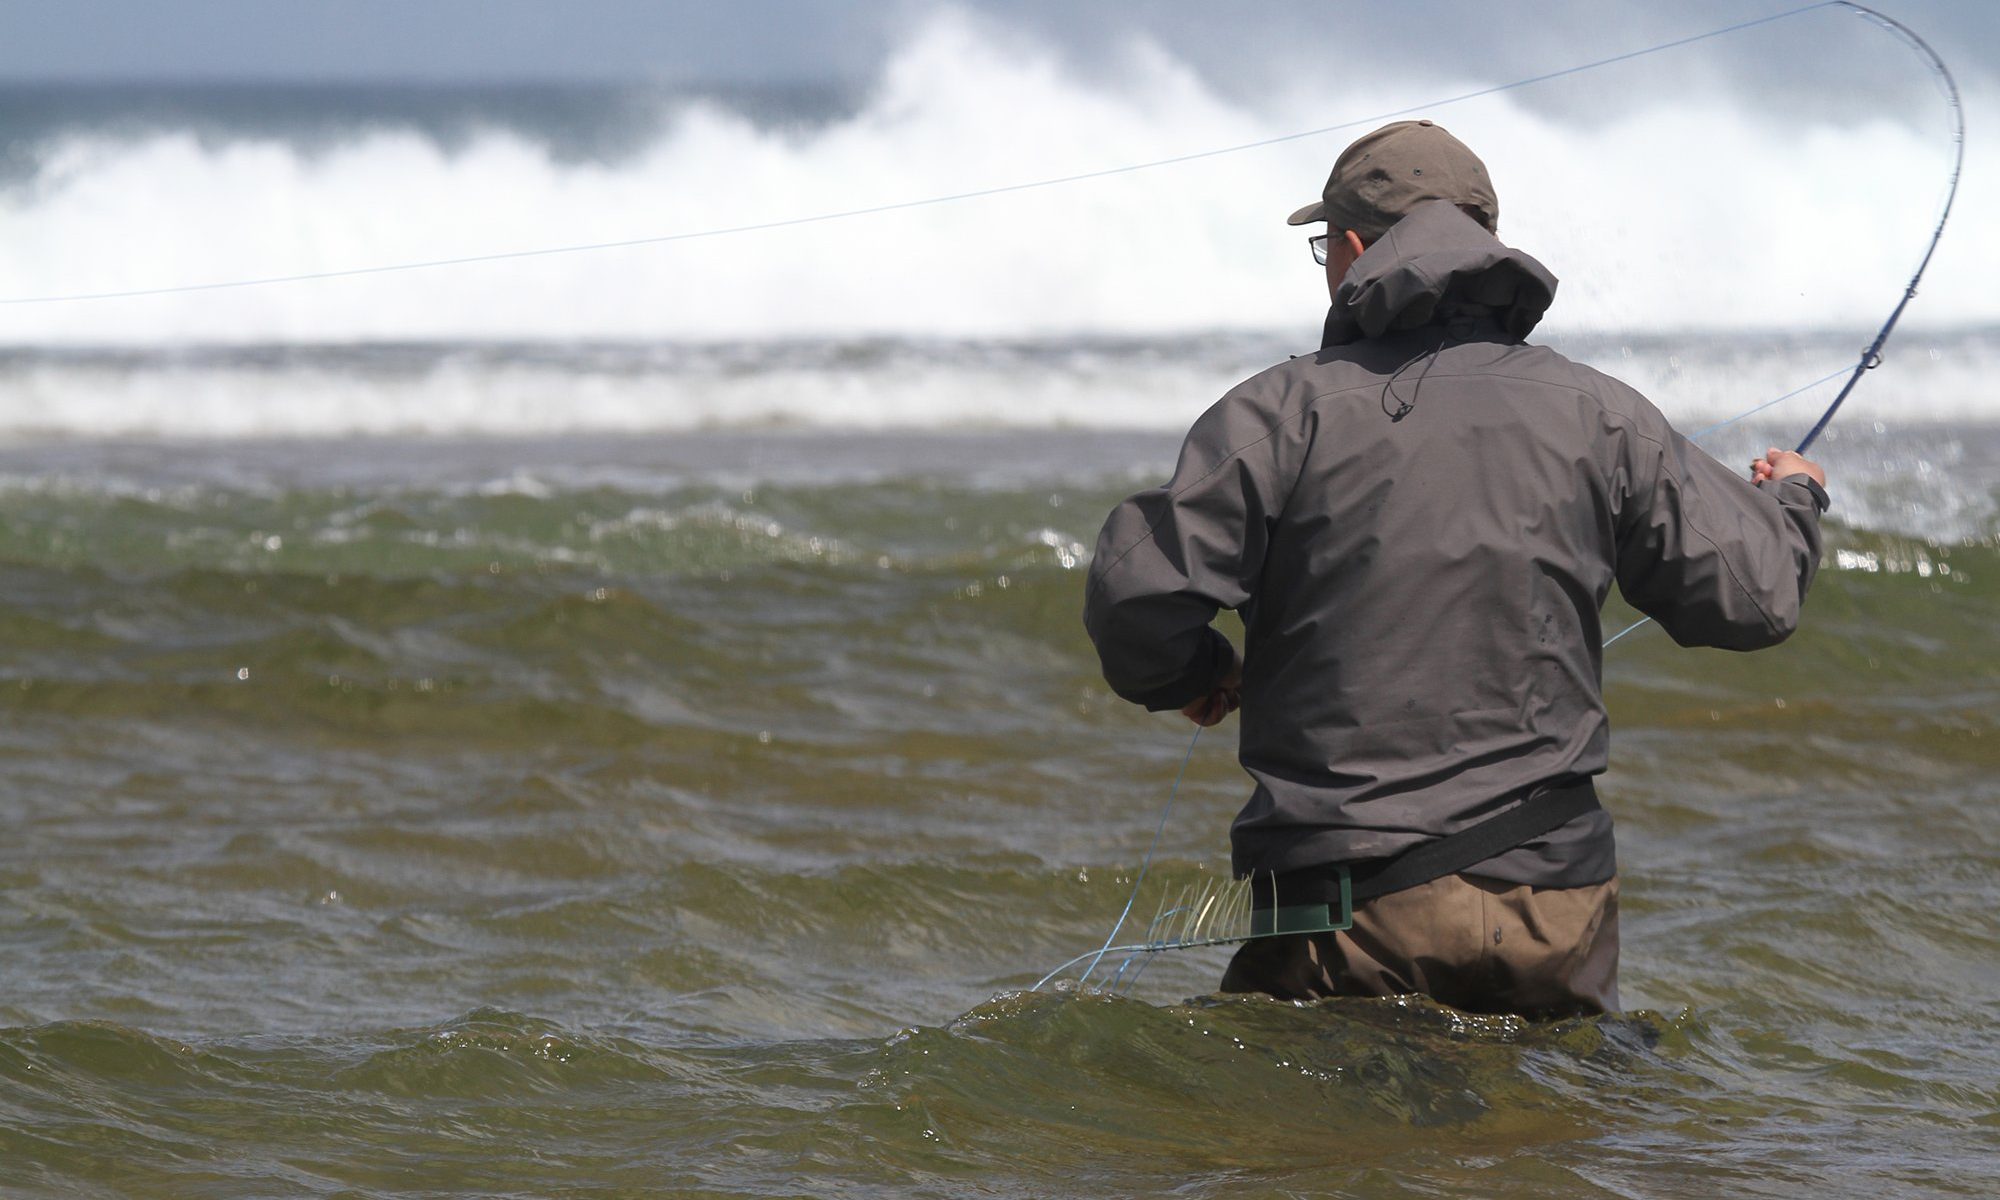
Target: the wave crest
(1645, 214)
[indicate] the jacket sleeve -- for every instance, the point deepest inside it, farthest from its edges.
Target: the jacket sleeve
(1715, 559)
(1171, 556)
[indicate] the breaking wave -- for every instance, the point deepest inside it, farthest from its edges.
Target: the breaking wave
(1693, 213)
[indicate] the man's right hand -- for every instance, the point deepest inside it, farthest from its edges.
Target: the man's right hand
(1221, 700)
(1776, 464)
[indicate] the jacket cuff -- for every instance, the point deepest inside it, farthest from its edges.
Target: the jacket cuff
(1821, 501)
(1206, 669)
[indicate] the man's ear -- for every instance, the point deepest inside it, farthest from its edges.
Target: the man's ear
(1354, 243)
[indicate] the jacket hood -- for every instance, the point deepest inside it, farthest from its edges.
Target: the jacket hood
(1434, 264)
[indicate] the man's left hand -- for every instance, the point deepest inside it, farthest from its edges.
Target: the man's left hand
(1777, 464)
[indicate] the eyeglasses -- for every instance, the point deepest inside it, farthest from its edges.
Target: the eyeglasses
(1318, 244)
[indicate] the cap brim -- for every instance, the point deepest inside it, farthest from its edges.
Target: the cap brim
(1316, 211)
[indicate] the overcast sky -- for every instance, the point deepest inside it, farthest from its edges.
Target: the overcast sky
(1239, 45)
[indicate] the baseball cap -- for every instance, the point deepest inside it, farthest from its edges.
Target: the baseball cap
(1384, 174)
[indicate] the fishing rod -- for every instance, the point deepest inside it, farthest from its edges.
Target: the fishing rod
(1204, 912)
(1872, 356)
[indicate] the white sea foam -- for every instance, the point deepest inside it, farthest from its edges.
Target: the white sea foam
(1691, 213)
(1155, 383)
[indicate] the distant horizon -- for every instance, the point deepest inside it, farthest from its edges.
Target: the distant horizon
(1550, 331)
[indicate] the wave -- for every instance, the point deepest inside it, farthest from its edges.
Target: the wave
(1643, 213)
(1155, 383)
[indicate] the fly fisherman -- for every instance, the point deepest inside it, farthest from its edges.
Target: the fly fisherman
(1419, 525)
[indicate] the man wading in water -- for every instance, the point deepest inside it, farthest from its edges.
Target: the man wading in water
(1419, 525)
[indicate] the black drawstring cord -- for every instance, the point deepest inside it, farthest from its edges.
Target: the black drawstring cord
(1403, 406)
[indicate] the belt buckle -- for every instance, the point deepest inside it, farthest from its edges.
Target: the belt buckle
(1306, 918)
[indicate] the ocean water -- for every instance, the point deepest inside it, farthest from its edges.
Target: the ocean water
(621, 725)
(686, 814)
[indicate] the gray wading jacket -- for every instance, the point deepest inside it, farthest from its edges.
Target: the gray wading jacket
(1419, 525)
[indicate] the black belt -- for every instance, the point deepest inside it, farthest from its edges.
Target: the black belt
(1306, 900)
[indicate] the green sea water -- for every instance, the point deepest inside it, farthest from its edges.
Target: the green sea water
(688, 815)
